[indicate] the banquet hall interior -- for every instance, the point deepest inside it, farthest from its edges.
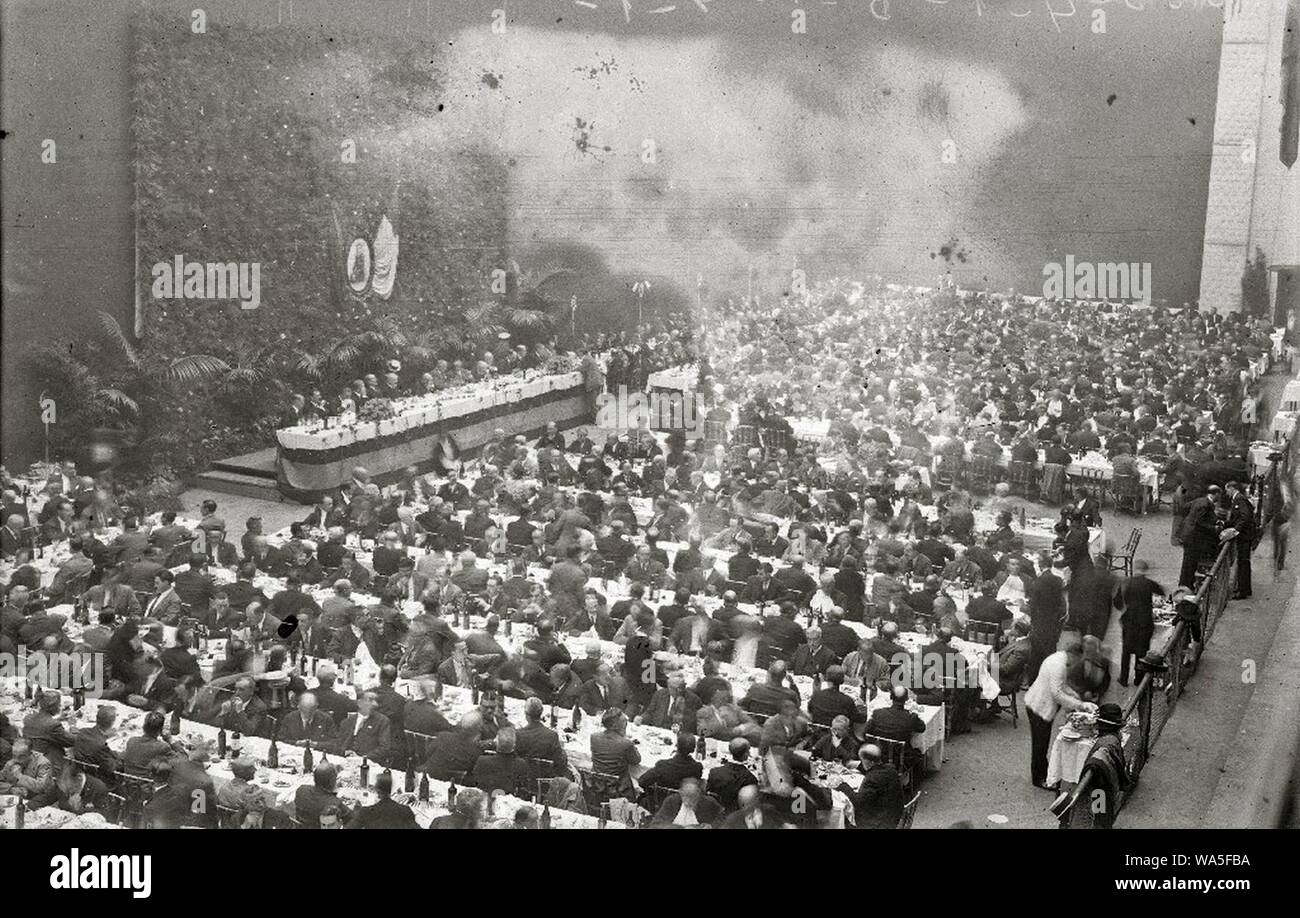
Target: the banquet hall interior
(613, 416)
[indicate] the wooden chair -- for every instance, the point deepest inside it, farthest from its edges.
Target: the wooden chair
(599, 788)
(1093, 479)
(909, 812)
(894, 753)
(229, 817)
(1023, 478)
(654, 797)
(985, 633)
(981, 473)
(417, 747)
(1122, 560)
(1127, 493)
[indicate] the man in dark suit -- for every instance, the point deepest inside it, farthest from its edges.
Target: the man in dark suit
(688, 807)
(454, 753)
(812, 658)
(242, 592)
(385, 813)
(365, 732)
(766, 697)
(761, 588)
(670, 772)
(672, 707)
(194, 586)
(333, 703)
(727, 779)
(90, 745)
(896, 722)
(45, 731)
(312, 801)
(751, 812)
(506, 770)
(535, 740)
(308, 724)
(839, 637)
(245, 713)
(1241, 520)
(830, 701)
(612, 753)
(605, 691)
(878, 801)
(782, 636)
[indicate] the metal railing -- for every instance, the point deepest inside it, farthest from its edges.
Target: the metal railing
(1156, 696)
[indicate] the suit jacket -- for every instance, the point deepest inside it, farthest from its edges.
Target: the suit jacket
(47, 736)
(333, 703)
(671, 772)
(737, 820)
(726, 780)
(424, 717)
(168, 609)
(385, 814)
(707, 812)
(450, 752)
(613, 754)
(504, 771)
(309, 802)
(249, 721)
(594, 703)
(656, 712)
(91, 745)
(142, 751)
(806, 662)
(538, 741)
(878, 803)
(373, 741)
(827, 703)
(319, 730)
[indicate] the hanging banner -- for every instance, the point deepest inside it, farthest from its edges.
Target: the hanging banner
(358, 265)
(385, 259)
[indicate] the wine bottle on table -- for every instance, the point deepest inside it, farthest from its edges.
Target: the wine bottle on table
(410, 781)
(577, 716)
(365, 773)
(701, 747)
(236, 743)
(546, 816)
(20, 813)
(273, 755)
(437, 689)
(473, 690)
(308, 760)
(451, 794)
(221, 742)
(555, 720)
(510, 625)
(176, 721)
(424, 787)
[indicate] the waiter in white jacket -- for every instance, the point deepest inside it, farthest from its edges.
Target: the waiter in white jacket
(1045, 698)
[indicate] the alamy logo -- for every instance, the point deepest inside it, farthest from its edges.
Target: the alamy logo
(56, 671)
(103, 871)
(657, 411)
(1105, 280)
(214, 280)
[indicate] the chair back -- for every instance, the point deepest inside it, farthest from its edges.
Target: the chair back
(909, 812)
(598, 787)
(985, 633)
(892, 752)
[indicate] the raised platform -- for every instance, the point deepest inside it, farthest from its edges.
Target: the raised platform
(249, 475)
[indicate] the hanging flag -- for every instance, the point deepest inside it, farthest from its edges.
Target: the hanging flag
(385, 272)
